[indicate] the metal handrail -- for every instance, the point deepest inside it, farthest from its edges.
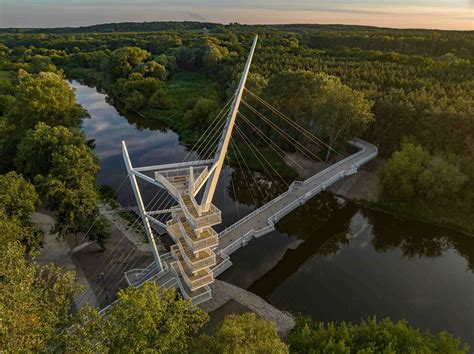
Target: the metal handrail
(207, 295)
(209, 261)
(198, 282)
(181, 171)
(357, 143)
(167, 184)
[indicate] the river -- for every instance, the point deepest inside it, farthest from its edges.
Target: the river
(329, 259)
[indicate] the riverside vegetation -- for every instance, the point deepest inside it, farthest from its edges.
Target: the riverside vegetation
(408, 91)
(396, 85)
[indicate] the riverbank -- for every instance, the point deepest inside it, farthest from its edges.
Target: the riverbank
(364, 187)
(340, 273)
(228, 298)
(183, 89)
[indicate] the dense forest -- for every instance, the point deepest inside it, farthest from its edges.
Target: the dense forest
(408, 91)
(412, 88)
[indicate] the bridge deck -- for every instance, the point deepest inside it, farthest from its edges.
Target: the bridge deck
(262, 220)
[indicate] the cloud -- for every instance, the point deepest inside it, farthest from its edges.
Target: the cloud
(392, 13)
(197, 17)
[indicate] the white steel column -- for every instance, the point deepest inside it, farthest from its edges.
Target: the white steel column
(141, 206)
(226, 134)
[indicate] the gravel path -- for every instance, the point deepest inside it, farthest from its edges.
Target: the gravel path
(223, 292)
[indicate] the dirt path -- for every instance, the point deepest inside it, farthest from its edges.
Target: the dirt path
(104, 269)
(58, 252)
(365, 185)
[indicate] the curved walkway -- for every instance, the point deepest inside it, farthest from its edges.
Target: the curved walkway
(263, 220)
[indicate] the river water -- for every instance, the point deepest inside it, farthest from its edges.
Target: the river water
(329, 259)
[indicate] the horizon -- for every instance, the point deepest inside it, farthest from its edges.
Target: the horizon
(401, 14)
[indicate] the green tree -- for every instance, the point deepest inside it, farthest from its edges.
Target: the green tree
(244, 333)
(41, 63)
(152, 69)
(201, 115)
(370, 336)
(214, 53)
(18, 198)
(35, 302)
(149, 319)
(44, 98)
(69, 189)
(11, 229)
(138, 93)
(414, 173)
(400, 176)
(35, 152)
(334, 111)
(441, 180)
(124, 60)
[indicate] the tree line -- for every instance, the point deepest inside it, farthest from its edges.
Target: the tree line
(407, 91)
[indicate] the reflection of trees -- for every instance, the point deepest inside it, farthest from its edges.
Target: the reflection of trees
(136, 119)
(133, 118)
(254, 188)
(323, 212)
(333, 244)
(416, 239)
(322, 223)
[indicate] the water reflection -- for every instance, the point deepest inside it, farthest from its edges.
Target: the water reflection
(254, 188)
(148, 141)
(329, 259)
(341, 262)
(417, 240)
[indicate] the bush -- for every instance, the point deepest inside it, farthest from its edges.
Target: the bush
(370, 336)
(242, 334)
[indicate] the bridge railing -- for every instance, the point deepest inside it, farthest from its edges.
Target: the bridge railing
(205, 296)
(179, 172)
(361, 145)
(167, 184)
(222, 266)
(254, 213)
(201, 178)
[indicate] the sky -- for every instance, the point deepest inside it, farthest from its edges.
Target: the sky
(440, 14)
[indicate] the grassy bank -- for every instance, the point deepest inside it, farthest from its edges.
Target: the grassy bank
(447, 217)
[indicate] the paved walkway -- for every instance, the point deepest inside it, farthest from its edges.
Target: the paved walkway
(58, 252)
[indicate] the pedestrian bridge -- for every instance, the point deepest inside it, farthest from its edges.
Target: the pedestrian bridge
(200, 254)
(256, 224)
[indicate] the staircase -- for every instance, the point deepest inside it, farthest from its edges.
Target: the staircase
(192, 232)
